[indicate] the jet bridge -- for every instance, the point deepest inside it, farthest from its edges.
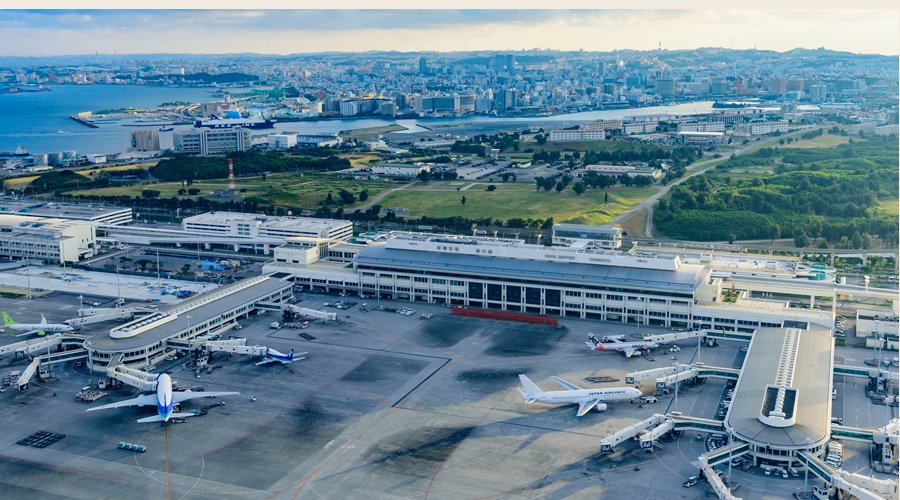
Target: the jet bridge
(649, 437)
(29, 347)
(46, 360)
(99, 315)
(667, 338)
(310, 313)
(679, 372)
(858, 485)
(136, 378)
(718, 486)
(236, 346)
(608, 444)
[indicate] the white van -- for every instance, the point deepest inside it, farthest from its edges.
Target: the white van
(649, 399)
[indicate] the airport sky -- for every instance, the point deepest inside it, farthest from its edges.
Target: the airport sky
(68, 32)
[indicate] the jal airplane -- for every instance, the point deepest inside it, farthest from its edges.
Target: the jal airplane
(586, 399)
(164, 399)
(39, 328)
(617, 344)
(273, 356)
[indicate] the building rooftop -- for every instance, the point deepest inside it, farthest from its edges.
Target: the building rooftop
(58, 210)
(264, 220)
(201, 312)
(808, 360)
(686, 278)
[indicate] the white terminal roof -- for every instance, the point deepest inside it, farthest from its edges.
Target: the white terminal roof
(265, 220)
(810, 363)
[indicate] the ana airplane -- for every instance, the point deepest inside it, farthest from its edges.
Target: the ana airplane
(586, 399)
(39, 328)
(273, 356)
(164, 399)
(617, 344)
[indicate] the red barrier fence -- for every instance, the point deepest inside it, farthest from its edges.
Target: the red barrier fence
(504, 315)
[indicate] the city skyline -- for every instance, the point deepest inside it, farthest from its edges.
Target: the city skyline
(78, 32)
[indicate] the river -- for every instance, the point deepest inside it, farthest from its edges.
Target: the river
(39, 121)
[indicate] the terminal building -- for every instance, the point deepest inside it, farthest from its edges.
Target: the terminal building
(237, 232)
(50, 239)
(510, 275)
(91, 213)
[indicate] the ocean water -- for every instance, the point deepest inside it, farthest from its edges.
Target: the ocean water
(39, 121)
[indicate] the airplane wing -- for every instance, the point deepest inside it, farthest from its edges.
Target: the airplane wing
(143, 400)
(39, 332)
(613, 340)
(567, 385)
(629, 351)
(269, 361)
(178, 397)
(586, 406)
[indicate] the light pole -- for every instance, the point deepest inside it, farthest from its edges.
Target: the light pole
(28, 277)
(730, 441)
(80, 312)
(118, 288)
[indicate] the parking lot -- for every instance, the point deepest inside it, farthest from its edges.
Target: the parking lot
(385, 405)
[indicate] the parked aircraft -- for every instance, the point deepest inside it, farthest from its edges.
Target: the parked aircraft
(616, 344)
(586, 399)
(164, 399)
(39, 328)
(273, 356)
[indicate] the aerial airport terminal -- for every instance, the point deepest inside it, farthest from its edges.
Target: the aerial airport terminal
(399, 364)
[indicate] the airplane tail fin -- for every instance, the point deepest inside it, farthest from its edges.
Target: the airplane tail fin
(291, 353)
(594, 340)
(6, 319)
(43, 319)
(159, 418)
(529, 386)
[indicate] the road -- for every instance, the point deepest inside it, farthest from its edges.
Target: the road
(692, 170)
(380, 196)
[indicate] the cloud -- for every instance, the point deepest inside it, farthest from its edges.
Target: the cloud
(287, 31)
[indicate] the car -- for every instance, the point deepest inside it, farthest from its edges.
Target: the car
(736, 462)
(691, 481)
(744, 348)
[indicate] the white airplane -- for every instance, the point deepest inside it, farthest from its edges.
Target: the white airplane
(39, 328)
(586, 399)
(617, 344)
(273, 356)
(164, 399)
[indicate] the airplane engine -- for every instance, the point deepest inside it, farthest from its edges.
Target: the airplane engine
(601, 406)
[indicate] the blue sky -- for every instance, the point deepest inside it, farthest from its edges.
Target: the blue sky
(64, 32)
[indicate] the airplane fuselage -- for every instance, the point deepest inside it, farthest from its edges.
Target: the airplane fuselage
(35, 327)
(575, 397)
(164, 404)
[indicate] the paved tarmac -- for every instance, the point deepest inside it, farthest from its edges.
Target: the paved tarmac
(385, 406)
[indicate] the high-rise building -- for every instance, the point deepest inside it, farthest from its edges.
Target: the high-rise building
(665, 87)
(145, 139)
(423, 66)
(817, 92)
(777, 85)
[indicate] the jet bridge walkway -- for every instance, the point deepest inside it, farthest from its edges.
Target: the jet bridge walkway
(608, 444)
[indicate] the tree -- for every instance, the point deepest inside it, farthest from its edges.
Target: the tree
(193, 191)
(150, 193)
(491, 187)
(185, 269)
(579, 188)
(463, 200)
(143, 263)
(731, 238)
(606, 197)
(181, 192)
(424, 175)
(346, 197)
(560, 186)
(774, 232)
(363, 195)
(801, 239)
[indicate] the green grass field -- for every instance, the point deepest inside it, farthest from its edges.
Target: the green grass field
(890, 206)
(823, 141)
(568, 147)
(514, 200)
(294, 190)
